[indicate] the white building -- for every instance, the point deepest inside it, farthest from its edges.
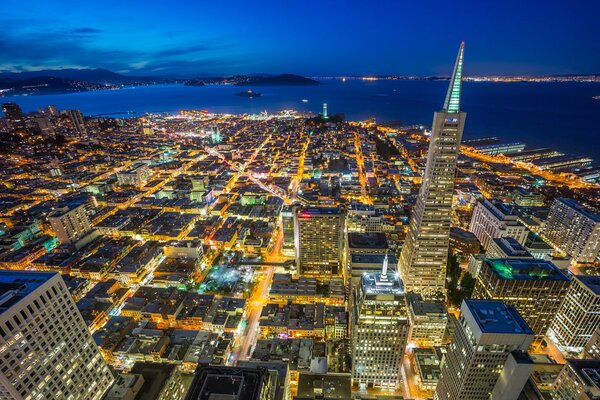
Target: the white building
(70, 223)
(573, 229)
(579, 314)
(488, 357)
(136, 176)
(493, 219)
(425, 252)
(379, 330)
(46, 350)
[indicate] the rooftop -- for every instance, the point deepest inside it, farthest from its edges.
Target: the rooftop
(525, 269)
(313, 211)
(495, 316)
(580, 209)
(591, 281)
(370, 240)
(377, 283)
(16, 285)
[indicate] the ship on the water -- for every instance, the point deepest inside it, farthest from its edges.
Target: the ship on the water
(248, 93)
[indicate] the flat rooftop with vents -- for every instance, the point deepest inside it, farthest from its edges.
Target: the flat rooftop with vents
(525, 269)
(495, 316)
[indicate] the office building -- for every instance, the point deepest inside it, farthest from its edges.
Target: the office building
(424, 254)
(14, 115)
(46, 350)
(287, 224)
(488, 356)
(579, 315)
(77, 121)
(233, 383)
(591, 350)
(379, 330)
(136, 176)
(148, 381)
(44, 125)
(319, 233)
(573, 229)
(70, 222)
(506, 247)
(578, 380)
(536, 288)
(494, 219)
(427, 320)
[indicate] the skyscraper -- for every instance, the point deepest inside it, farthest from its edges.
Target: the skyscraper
(77, 120)
(579, 314)
(319, 233)
(536, 288)
(488, 355)
(424, 254)
(379, 330)
(46, 350)
(574, 229)
(494, 219)
(14, 115)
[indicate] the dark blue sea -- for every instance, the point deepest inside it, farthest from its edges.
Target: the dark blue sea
(560, 115)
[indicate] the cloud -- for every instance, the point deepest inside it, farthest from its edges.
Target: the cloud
(85, 46)
(85, 30)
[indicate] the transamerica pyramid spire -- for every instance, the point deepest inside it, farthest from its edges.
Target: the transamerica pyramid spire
(425, 252)
(452, 103)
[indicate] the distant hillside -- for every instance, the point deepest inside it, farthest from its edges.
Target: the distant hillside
(47, 85)
(97, 75)
(280, 80)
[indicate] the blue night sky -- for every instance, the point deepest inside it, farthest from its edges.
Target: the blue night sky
(306, 37)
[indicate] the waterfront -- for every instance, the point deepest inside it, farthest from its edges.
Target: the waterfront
(559, 115)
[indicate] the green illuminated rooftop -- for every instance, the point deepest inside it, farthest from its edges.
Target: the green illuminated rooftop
(525, 269)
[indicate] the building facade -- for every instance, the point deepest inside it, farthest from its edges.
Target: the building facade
(579, 315)
(493, 219)
(536, 288)
(46, 350)
(379, 330)
(573, 229)
(319, 233)
(70, 222)
(488, 350)
(425, 252)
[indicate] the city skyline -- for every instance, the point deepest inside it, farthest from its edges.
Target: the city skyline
(349, 39)
(295, 237)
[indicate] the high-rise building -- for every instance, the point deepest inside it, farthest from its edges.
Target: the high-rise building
(494, 219)
(488, 356)
(44, 125)
(137, 176)
(579, 314)
(46, 350)
(578, 380)
(287, 224)
(379, 330)
(319, 234)
(424, 254)
(591, 350)
(536, 288)
(15, 117)
(428, 320)
(573, 229)
(77, 120)
(235, 383)
(506, 247)
(325, 115)
(70, 222)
